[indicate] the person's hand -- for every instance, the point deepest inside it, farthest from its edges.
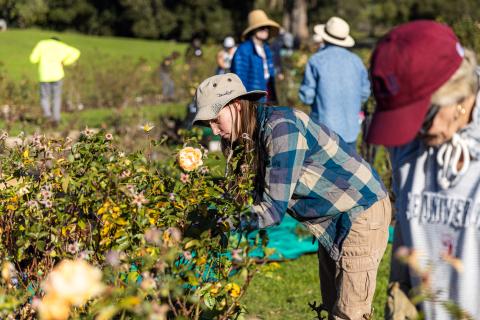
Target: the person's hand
(281, 76)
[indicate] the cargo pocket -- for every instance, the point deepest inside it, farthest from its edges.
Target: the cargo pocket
(359, 232)
(357, 280)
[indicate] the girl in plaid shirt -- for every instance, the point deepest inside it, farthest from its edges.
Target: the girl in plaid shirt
(307, 170)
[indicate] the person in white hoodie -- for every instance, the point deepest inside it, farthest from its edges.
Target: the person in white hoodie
(428, 114)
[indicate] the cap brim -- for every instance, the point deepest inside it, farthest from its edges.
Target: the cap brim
(347, 42)
(205, 114)
(399, 126)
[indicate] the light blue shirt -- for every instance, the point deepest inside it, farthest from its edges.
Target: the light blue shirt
(336, 84)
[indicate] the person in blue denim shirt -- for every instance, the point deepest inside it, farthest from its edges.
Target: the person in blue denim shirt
(253, 61)
(336, 82)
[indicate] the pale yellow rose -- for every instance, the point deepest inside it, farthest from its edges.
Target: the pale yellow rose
(190, 158)
(75, 281)
(53, 307)
(8, 271)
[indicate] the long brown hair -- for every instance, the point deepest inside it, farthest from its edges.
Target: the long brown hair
(247, 148)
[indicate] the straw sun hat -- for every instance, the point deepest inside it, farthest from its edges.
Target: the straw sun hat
(257, 19)
(335, 31)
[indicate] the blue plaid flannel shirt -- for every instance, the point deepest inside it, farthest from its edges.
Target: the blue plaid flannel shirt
(312, 174)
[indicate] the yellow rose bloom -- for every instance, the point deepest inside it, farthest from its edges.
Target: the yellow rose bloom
(53, 307)
(75, 281)
(190, 158)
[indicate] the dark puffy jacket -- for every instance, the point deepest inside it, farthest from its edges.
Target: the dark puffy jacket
(248, 65)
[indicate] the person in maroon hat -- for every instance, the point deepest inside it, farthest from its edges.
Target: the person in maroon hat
(426, 87)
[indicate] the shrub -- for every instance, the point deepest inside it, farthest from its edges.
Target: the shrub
(157, 231)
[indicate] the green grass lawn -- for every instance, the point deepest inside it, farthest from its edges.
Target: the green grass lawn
(285, 294)
(100, 118)
(16, 46)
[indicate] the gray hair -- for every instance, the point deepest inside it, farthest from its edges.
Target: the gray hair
(463, 83)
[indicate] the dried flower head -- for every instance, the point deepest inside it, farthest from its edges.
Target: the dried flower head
(47, 203)
(3, 136)
(113, 258)
(73, 248)
(153, 235)
(88, 132)
(139, 199)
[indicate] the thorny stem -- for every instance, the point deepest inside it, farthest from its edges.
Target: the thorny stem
(170, 303)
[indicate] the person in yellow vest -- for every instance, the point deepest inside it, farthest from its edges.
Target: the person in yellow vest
(51, 55)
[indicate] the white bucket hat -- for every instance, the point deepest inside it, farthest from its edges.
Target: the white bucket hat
(335, 31)
(317, 37)
(216, 92)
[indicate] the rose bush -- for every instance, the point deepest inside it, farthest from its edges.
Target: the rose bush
(157, 231)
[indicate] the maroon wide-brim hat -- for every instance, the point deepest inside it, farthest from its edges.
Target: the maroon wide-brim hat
(408, 65)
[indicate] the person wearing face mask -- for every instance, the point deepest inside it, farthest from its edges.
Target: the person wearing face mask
(426, 87)
(253, 61)
(305, 169)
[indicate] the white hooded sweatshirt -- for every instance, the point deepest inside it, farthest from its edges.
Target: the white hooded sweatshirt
(438, 211)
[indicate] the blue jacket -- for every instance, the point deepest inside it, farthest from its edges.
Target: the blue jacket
(335, 84)
(248, 65)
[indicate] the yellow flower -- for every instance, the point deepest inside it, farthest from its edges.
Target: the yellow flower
(275, 265)
(53, 307)
(147, 127)
(201, 261)
(190, 158)
(234, 289)
(75, 281)
(215, 288)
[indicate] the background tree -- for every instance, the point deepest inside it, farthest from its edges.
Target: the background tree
(295, 18)
(215, 19)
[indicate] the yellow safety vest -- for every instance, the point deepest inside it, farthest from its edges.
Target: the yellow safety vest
(51, 55)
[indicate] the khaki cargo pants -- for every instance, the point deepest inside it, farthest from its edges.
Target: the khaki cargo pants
(348, 285)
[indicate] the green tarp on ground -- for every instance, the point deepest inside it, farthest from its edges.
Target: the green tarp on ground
(287, 241)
